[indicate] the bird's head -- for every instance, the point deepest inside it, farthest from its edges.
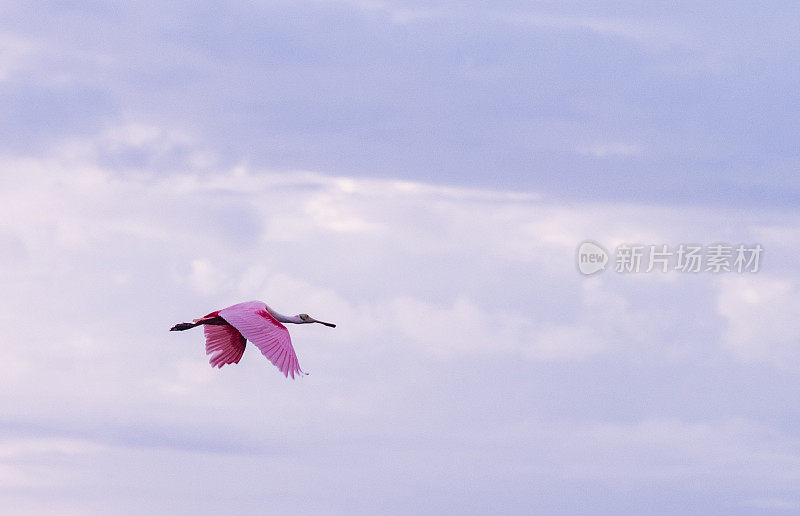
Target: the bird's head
(307, 319)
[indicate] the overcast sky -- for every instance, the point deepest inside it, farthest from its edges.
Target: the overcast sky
(420, 174)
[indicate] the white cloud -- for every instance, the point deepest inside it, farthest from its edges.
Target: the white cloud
(330, 211)
(204, 277)
(15, 53)
(23, 460)
(455, 306)
(395, 14)
(641, 31)
(760, 311)
(27, 447)
(604, 150)
(774, 504)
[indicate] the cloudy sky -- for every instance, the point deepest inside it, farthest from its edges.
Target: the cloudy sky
(422, 175)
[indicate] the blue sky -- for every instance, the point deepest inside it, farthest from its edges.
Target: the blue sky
(420, 174)
(688, 102)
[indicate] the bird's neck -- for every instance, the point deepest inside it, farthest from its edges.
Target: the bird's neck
(285, 318)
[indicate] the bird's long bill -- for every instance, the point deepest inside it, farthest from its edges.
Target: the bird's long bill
(326, 323)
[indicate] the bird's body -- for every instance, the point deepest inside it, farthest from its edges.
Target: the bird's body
(228, 329)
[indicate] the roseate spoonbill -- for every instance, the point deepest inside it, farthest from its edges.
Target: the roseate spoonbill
(228, 329)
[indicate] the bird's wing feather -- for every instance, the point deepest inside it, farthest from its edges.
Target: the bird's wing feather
(270, 336)
(224, 344)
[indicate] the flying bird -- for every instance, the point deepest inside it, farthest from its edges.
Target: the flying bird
(228, 329)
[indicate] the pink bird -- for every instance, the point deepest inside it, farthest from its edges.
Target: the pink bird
(228, 329)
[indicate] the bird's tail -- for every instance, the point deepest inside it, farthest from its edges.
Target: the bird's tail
(183, 326)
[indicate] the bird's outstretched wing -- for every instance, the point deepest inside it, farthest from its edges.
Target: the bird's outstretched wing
(258, 326)
(224, 343)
